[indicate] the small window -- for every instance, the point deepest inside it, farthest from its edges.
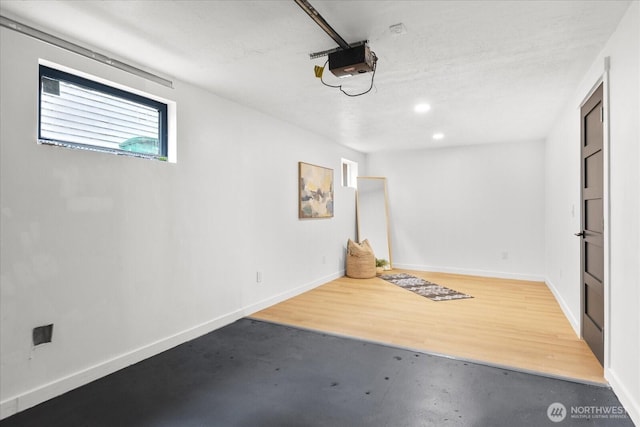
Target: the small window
(80, 113)
(349, 173)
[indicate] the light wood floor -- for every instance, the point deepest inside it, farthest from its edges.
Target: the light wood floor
(509, 323)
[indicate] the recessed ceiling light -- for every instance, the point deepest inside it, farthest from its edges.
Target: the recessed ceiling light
(438, 136)
(421, 108)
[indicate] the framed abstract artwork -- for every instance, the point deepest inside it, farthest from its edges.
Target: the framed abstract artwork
(315, 198)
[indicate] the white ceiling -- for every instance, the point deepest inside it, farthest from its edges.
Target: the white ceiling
(492, 71)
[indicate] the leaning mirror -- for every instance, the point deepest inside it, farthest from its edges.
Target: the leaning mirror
(373, 215)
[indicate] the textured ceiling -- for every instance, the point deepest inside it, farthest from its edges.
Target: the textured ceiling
(492, 71)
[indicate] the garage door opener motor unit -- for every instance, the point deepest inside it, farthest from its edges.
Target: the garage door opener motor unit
(355, 60)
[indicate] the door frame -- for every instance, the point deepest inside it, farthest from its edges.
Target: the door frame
(606, 206)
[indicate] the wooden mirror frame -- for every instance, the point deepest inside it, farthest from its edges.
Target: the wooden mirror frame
(364, 215)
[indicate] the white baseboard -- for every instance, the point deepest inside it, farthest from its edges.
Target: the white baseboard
(268, 302)
(575, 324)
(33, 397)
(631, 405)
(471, 272)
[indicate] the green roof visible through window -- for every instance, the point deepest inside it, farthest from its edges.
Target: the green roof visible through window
(140, 144)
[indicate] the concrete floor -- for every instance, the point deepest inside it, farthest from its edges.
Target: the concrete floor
(253, 373)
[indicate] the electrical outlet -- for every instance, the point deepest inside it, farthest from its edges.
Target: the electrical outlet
(42, 334)
(505, 255)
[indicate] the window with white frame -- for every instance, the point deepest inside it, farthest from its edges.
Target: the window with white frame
(349, 173)
(80, 113)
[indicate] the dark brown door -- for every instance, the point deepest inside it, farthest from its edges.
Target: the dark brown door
(592, 251)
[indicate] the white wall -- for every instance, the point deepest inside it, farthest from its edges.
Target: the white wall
(470, 210)
(128, 257)
(622, 364)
